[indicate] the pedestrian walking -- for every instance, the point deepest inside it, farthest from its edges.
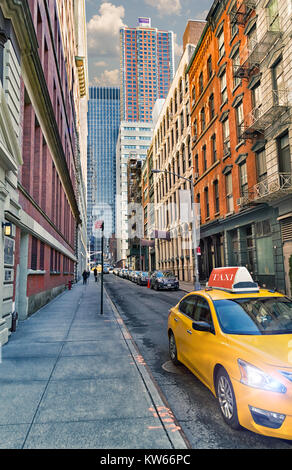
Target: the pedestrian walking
(95, 274)
(84, 275)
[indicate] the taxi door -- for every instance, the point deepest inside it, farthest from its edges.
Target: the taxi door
(202, 345)
(183, 319)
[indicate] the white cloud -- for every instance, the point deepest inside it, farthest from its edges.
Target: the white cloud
(107, 78)
(202, 15)
(100, 63)
(178, 48)
(165, 7)
(103, 30)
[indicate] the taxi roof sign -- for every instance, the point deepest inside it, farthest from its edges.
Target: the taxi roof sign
(232, 279)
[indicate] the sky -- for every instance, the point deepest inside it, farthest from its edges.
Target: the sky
(105, 18)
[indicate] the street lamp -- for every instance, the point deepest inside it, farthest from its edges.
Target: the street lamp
(197, 285)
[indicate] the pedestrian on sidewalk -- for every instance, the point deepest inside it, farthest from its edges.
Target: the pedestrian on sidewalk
(84, 275)
(95, 274)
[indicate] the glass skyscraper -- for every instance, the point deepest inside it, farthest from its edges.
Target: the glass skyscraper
(147, 69)
(103, 130)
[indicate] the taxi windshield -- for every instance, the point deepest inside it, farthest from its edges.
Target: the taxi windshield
(255, 316)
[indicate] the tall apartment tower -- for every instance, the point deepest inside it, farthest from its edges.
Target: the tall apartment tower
(147, 69)
(103, 130)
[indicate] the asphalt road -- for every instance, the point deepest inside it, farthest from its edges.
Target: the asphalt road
(145, 314)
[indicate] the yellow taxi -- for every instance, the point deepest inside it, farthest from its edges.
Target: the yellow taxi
(237, 339)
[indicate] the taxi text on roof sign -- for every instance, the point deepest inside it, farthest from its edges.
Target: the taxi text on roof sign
(232, 279)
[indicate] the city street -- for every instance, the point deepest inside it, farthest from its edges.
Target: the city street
(145, 314)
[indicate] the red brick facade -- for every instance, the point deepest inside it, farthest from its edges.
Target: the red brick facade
(47, 172)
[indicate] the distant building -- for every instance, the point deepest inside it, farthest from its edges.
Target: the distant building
(103, 130)
(147, 69)
(133, 142)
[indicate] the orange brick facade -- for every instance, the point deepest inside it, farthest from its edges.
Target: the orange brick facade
(225, 162)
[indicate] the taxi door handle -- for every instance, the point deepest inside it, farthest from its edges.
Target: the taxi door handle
(189, 332)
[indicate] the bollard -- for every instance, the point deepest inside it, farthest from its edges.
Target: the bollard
(148, 285)
(14, 321)
(69, 285)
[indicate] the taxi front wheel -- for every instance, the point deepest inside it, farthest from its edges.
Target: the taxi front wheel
(226, 399)
(173, 350)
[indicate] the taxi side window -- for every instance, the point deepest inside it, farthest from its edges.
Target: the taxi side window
(187, 306)
(202, 311)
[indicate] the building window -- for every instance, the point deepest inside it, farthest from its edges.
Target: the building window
(207, 206)
(278, 83)
(204, 152)
(252, 38)
(201, 83)
(209, 67)
(261, 165)
(256, 95)
(181, 122)
(221, 44)
(211, 107)
(213, 148)
(197, 165)
(195, 131)
(284, 158)
(236, 65)
(239, 121)
(189, 152)
(243, 179)
(223, 88)
(273, 15)
(216, 197)
(226, 137)
(193, 95)
(229, 192)
(42, 256)
(34, 253)
(203, 119)
(264, 248)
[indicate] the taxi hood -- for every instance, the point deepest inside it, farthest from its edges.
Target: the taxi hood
(275, 350)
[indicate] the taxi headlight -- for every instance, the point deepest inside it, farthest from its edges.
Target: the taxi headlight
(254, 377)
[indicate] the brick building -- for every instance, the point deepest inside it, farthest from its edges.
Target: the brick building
(50, 178)
(235, 229)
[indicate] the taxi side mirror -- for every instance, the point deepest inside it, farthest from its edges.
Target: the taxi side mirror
(203, 326)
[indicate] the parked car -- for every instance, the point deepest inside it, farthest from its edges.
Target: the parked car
(105, 270)
(135, 276)
(131, 275)
(164, 280)
(143, 278)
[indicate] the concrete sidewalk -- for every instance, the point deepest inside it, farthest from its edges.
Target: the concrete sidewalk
(72, 378)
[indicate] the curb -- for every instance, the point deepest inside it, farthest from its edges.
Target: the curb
(161, 407)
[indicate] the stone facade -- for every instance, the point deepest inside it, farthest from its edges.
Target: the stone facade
(172, 153)
(10, 161)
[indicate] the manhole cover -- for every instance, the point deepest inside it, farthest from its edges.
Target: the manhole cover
(170, 367)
